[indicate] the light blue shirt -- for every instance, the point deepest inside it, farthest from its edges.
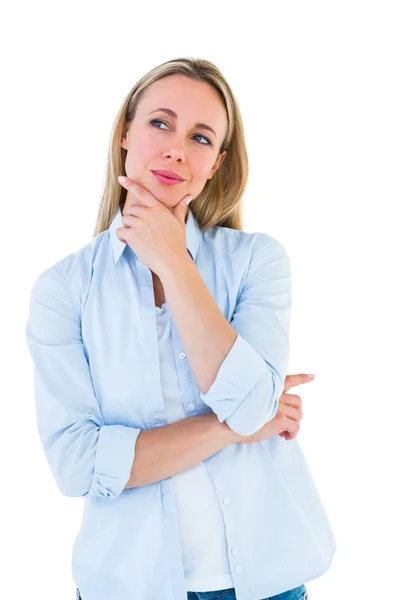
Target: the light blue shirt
(92, 336)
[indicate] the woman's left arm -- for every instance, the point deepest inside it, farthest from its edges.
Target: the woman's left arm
(240, 366)
(206, 335)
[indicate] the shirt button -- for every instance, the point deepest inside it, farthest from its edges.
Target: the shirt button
(226, 500)
(238, 569)
(192, 406)
(234, 551)
(182, 355)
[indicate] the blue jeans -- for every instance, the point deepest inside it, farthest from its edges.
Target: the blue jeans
(299, 593)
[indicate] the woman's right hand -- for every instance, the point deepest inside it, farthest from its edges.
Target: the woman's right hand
(286, 422)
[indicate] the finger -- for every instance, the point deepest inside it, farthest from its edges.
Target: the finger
(181, 210)
(290, 406)
(133, 212)
(293, 413)
(292, 426)
(288, 436)
(291, 399)
(120, 233)
(298, 379)
(139, 191)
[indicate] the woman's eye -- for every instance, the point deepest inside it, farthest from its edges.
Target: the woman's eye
(157, 121)
(204, 138)
(198, 135)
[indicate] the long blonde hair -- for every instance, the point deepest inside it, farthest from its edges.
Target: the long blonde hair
(219, 201)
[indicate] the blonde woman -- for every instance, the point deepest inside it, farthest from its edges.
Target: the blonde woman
(160, 352)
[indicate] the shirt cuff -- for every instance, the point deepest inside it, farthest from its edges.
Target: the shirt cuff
(240, 371)
(115, 453)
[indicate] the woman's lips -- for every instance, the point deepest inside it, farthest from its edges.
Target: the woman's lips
(166, 180)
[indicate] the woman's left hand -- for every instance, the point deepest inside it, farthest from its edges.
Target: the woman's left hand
(294, 400)
(155, 234)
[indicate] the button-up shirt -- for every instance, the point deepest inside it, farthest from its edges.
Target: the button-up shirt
(92, 335)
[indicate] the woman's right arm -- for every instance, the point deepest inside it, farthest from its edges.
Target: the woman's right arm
(166, 451)
(86, 456)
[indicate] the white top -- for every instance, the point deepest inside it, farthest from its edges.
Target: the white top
(201, 526)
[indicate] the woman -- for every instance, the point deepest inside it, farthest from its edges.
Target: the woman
(160, 352)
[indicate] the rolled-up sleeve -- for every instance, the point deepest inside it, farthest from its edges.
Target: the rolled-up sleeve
(246, 391)
(86, 457)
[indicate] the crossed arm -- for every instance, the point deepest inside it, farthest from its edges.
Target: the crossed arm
(208, 341)
(239, 366)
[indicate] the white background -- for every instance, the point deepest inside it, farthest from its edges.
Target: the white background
(318, 87)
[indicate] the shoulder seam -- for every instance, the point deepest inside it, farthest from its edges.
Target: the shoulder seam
(68, 292)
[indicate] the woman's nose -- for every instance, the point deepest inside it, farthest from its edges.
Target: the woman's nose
(176, 149)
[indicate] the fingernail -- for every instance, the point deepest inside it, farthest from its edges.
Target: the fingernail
(310, 374)
(122, 178)
(189, 199)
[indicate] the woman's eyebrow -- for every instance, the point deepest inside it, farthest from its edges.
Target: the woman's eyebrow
(173, 114)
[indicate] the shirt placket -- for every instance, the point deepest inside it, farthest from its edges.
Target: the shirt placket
(149, 350)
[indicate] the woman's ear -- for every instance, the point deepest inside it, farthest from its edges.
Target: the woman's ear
(218, 163)
(124, 139)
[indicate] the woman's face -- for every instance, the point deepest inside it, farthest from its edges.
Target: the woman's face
(175, 144)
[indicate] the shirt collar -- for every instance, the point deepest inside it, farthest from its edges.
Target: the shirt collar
(192, 235)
